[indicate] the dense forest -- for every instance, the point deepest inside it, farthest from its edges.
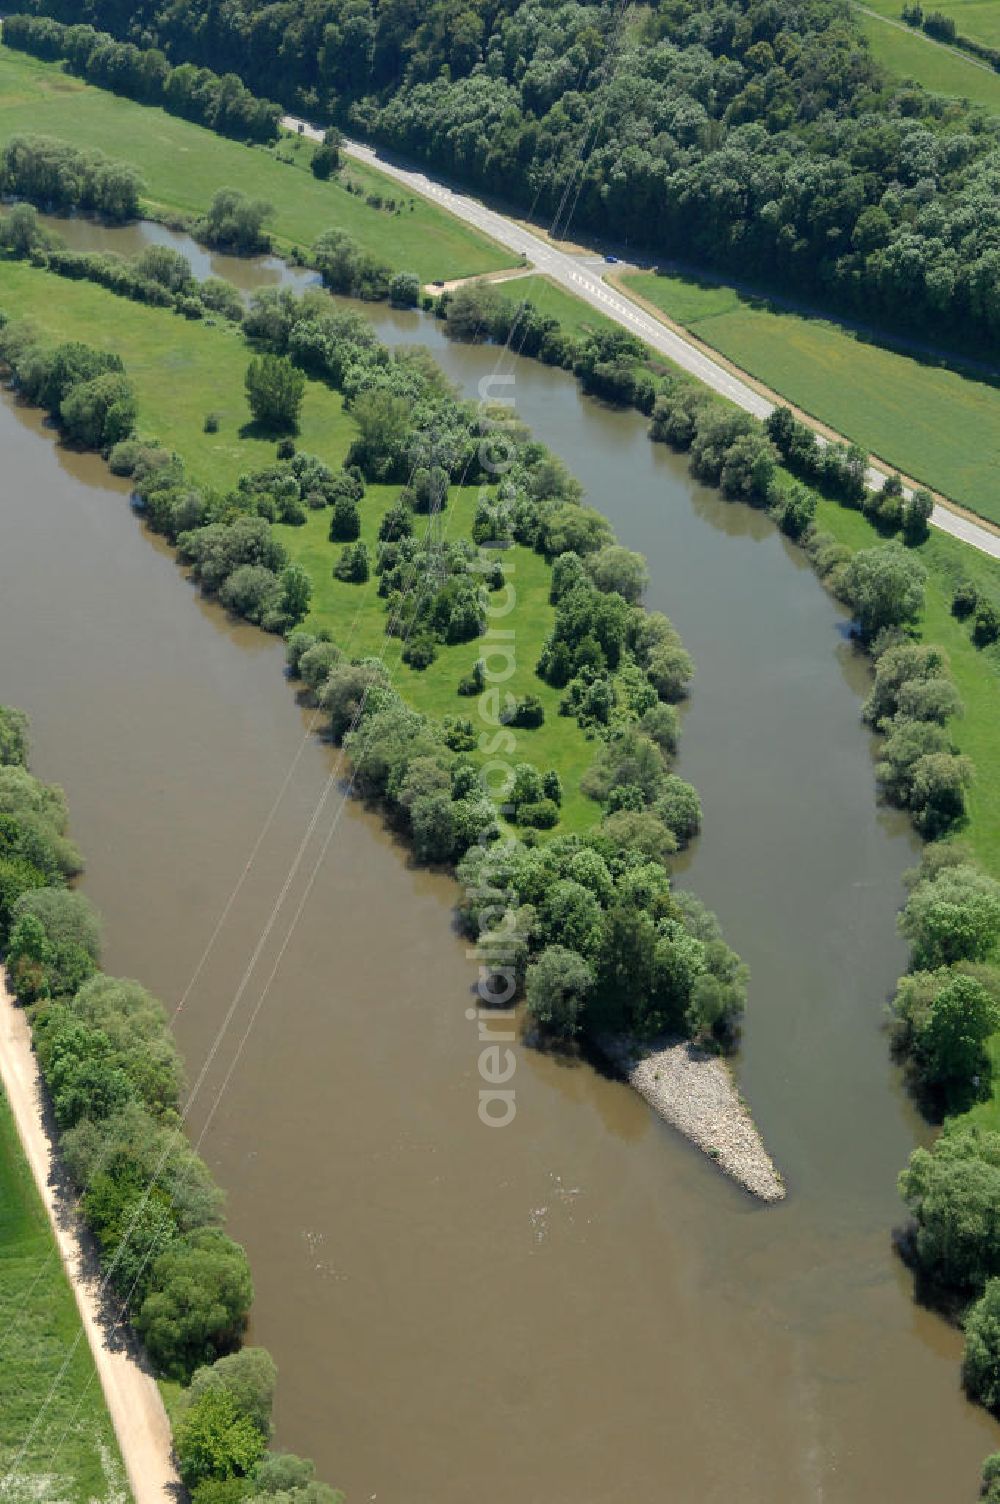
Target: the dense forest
(742, 134)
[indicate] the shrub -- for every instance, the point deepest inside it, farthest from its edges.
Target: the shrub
(249, 1376)
(219, 549)
(215, 1441)
(235, 222)
(916, 516)
(198, 1308)
(643, 833)
(347, 691)
(99, 413)
(950, 1044)
(275, 390)
(964, 600)
(527, 713)
(345, 523)
(981, 1359)
(251, 591)
(953, 916)
(325, 162)
(679, 807)
(353, 565)
(629, 759)
(538, 814)
(474, 683)
(953, 1191)
(986, 626)
(13, 737)
(884, 587)
(420, 651)
(404, 289)
(558, 985)
(60, 176)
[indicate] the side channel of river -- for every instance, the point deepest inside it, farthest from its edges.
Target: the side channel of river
(577, 1307)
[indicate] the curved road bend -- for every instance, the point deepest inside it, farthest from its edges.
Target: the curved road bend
(573, 273)
(131, 1395)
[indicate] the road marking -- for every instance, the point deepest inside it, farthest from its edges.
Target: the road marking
(664, 341)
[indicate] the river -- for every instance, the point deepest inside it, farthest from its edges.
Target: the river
(577, 1307)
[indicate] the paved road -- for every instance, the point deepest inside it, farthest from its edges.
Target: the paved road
(579, 275)
(132, 1397)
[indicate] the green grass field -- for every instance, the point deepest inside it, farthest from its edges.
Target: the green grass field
(976, 672)
(979, 19)
(931, 422)
(909, 54)
(73, 1457)
(576, 317)
(184, 164)
(183, 370)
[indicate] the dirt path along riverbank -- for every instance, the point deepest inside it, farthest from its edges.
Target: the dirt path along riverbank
(132, 1398)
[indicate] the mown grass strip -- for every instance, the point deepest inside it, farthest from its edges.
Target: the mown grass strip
(979, 19)
(184, 164)
(74, 1455)
(939, 426)
(909, 54)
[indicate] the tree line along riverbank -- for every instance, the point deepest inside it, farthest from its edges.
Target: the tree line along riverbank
(117, 1092)
(613, 670)
(51, 944)
(822, 368)
(609, 364)
(774, 145)
(885, 590)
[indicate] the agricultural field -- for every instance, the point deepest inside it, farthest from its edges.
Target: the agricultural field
(72, 1455)
(908, 53)
(184, 164)
(979, 19)
(182, 371)
(933, 423)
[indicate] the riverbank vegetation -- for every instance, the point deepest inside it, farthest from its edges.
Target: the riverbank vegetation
(945, 1015)
(603, 683)
(56, 1438)
(116, 1087)
(183, 165)
(818, 496)
(946, 1012)
(868, 392)
(744, 138)
(935, 423)
(62, 177)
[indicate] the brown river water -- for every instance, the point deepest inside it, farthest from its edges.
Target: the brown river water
(578, 1307)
